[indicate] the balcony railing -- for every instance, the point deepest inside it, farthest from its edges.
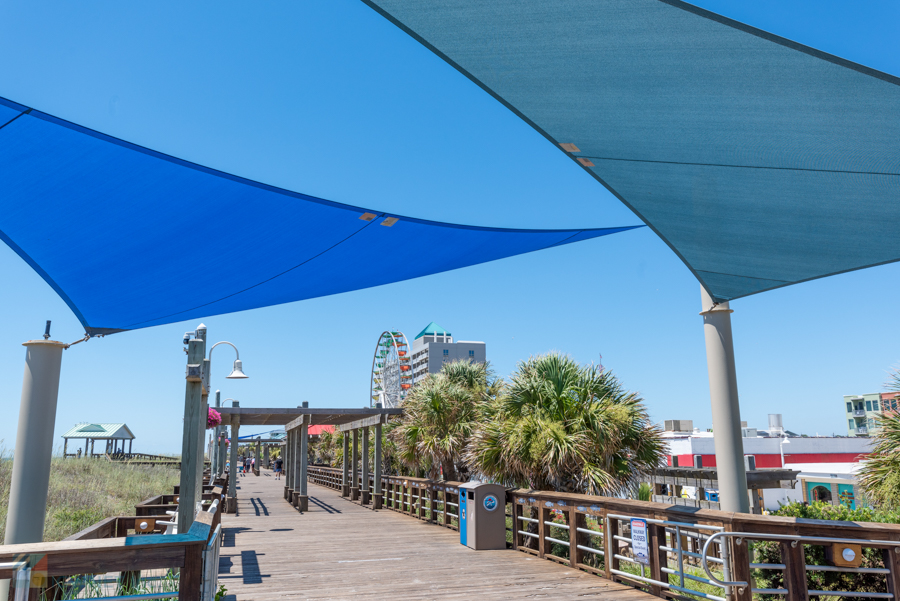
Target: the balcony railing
(859, 413)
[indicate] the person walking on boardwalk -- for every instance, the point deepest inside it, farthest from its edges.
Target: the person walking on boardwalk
(247, 465)
(278, 464)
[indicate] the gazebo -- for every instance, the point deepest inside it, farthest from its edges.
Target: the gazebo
(115, 436)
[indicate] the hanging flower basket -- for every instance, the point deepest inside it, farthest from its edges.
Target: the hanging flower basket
(213, 419)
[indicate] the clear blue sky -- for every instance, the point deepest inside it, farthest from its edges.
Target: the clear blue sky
(329, 99)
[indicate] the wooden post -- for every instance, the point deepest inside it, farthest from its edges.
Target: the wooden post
(446, 496)
(266, 455)
(364, 488)
(191, 461)
(610, 530)
(892, 562)
(288, 458)
(257, 461)
(231, 499)
(354, 482)
(345, 481)
(740, 570)
(378, 497)
(659, 558)
(65, 446)
(432, 503)
(191, 577)
(302, 498)
(295, 468)
(516, 512)
(200, 432)
(795, 571)
(543, 516)
(575, 521)
(423, 500)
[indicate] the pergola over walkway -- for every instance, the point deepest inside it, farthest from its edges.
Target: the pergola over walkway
(296, 422)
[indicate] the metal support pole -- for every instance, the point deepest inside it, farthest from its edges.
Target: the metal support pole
(378, 497)
(726, 410)
(191, 449)
(364, 488)
(231, 500)
(34, 444)
(345, 482)
(354, 478)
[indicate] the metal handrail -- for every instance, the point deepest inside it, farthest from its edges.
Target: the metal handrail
(795, 540)
(22, 577)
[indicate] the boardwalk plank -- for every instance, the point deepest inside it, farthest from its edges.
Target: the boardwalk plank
(339, 550)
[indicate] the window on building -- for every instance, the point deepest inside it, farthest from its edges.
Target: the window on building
(893, 404)
(472, 353)
(849, 407)
(850, 423)
(868, 405)
(871, 423)
(446, 352)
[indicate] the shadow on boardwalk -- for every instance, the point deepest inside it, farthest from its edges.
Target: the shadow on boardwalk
(338, 550)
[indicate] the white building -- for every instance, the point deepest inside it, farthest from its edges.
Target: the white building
(434, 346)
(827, 464)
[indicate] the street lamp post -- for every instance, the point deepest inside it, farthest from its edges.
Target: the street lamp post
(783, 442)
(196, 411)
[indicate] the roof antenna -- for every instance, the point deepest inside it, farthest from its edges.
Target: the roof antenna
(47, 331)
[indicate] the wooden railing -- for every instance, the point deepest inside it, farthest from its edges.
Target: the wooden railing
(107, 547)
(594, 534)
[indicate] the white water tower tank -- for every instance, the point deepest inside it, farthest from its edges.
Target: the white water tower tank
(776, 425)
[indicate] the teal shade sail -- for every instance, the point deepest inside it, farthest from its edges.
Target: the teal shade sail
(761, 162)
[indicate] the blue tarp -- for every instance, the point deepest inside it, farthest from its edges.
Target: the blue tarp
(760, 161)
(125, 235)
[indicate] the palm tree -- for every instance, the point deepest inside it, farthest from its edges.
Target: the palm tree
(566, 427)
(439, 415)
(879, 474)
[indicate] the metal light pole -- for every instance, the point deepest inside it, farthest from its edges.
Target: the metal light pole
(726, 410)
(783, 442)
(34, 444)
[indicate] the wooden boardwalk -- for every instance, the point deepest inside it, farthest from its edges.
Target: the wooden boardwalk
(339, 550)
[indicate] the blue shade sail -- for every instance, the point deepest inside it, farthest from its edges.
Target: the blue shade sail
(131, 238)
(760, 162)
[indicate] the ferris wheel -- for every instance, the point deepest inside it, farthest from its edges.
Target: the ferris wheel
(392, 372)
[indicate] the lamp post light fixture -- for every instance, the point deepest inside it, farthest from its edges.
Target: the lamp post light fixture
(196, 413)
(237, 370)
(783, 442)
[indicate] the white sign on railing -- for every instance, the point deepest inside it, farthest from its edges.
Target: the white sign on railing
(640, 546)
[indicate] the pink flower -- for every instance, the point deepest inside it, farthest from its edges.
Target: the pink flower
(213, 419)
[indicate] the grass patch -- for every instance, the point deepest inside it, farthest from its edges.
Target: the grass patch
(84, 491)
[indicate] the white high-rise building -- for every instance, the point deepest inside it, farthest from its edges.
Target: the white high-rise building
(434, 346)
